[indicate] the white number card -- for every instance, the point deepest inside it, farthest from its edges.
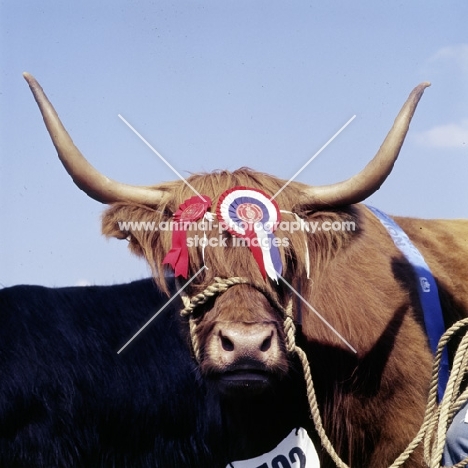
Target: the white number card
(295, 451)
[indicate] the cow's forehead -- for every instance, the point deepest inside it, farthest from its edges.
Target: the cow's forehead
(215, 183)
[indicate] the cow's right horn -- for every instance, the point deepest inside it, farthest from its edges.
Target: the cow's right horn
(85, 176)
(365, 183)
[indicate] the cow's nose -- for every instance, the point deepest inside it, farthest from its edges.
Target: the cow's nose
(255, 341)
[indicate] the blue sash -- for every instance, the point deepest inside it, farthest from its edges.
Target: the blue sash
(427, 290)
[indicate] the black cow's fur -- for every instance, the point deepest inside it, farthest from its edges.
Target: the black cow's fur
(67, 399)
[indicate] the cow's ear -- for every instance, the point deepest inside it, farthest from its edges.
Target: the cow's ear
(114, 224)
(113, 220)
(129, 221)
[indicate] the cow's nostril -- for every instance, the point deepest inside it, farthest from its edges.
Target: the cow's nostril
(226, 343)
(266, 343)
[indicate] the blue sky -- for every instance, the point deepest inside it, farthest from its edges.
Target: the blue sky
(212, 85)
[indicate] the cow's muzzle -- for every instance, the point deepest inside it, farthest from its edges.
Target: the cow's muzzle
(245, 356)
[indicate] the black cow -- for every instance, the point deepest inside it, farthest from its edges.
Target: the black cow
(67, 399)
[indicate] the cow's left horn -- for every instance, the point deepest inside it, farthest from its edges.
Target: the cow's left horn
(85, 176)
(365, 183)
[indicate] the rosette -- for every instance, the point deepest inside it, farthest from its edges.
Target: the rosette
(249, 213)
(192, 209)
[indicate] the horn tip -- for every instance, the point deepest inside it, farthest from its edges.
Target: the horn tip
(29, 78)
(419, 90)
(422, 86)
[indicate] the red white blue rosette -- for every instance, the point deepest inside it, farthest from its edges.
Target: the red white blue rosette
(251, 214)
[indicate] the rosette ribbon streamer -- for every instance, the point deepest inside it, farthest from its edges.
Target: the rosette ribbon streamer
(249, 213)
(191, 210)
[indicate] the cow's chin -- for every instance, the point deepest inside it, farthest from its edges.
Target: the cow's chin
(244, 383)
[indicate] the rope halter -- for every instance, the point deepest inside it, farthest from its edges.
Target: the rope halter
(221, 285)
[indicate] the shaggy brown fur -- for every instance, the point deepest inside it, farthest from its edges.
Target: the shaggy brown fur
(372, 402)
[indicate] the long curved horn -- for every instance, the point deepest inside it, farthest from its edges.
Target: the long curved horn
(85, 176)
(365, 183)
